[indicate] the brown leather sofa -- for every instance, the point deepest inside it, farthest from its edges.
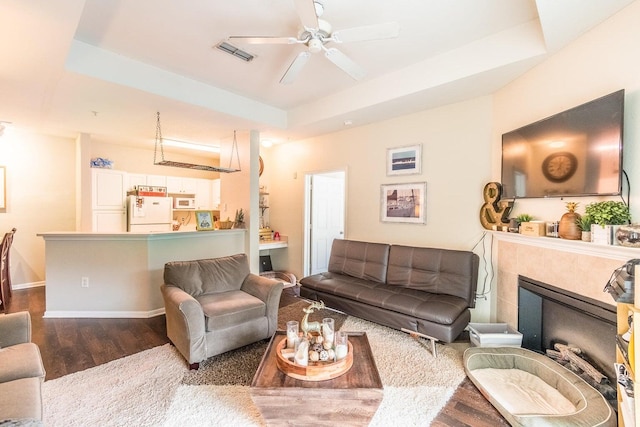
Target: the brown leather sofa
(422, 291)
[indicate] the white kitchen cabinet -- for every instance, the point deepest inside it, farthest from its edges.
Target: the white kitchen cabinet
(180, 185)
(203, 194)
(157, 180)
(108, 189)
(136, 179)
(109, 221)
(215, 193)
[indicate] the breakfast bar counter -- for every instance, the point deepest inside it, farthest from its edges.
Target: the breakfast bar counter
(118, 275)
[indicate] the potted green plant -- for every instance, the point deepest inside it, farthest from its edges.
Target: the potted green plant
(515, 223)
(605, 216)
(239, 222)
(524, 218)
(584, 223)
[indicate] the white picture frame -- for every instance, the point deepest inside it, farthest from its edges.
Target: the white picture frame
(404, 203)
(406, 160)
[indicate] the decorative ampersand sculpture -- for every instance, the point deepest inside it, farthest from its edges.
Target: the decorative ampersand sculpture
(494, 212)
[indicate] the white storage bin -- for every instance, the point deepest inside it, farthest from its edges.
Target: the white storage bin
(494, 335)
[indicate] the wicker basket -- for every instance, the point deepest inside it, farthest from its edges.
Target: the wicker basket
(225, 225)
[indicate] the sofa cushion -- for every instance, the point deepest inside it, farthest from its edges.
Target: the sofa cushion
(438, 308)
(207, 275)
(21, 401)
(438, 271)
(362, 260)
(225, 309)
(20, 361)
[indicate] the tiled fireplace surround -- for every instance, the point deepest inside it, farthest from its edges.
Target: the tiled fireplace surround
(580, 267)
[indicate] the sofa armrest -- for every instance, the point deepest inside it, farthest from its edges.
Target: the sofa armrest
(185, 322)
(15, 328)
(263, 288)
(269, 291)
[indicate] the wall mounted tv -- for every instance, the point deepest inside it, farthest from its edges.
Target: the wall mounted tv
(574, 153)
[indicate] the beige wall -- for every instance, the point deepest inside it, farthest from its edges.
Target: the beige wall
(456, 145)
(40, 196)
(461, 150)
(41, 189)
(600, 62)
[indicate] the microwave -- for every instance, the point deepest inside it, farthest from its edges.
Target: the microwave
(184, 203)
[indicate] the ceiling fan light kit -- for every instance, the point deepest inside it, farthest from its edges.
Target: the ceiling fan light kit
(317, 33)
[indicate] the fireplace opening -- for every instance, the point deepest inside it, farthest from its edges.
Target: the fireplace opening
(548, 315)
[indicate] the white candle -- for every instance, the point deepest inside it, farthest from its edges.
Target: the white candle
(291, 339)
(302, 353)
(341, 351)
(292, 333)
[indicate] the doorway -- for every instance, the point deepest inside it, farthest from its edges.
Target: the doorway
(324, 218)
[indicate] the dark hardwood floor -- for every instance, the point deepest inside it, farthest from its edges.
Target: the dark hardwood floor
(72, 345)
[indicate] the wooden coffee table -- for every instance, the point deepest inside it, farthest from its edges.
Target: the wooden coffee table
(350, 399)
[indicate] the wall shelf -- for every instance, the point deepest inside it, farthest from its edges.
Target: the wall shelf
(274, 244)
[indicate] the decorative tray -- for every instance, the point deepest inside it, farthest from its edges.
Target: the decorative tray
(315, 371)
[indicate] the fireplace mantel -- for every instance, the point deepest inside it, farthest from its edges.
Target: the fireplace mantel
(580, 267)
(621, 253)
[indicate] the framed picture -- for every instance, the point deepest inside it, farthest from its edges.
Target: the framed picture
(404, 203)
(3, 187)
(204, 220)
(404, 160)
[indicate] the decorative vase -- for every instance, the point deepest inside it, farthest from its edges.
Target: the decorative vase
(568, 228)
(602, 235)
(629, 235)
(586, 236)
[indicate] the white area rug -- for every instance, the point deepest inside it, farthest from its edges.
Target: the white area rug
(145, 390)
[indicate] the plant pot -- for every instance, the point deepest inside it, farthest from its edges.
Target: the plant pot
(586, 236)
(568, 229)
(629, 235)
(602, 235)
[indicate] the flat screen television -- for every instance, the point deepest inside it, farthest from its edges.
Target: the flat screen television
(574, 153)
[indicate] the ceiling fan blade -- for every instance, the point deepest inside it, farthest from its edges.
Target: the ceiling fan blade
(370, 32)
(264, 40)
(345, 63)
(307, 12)
(295, 67)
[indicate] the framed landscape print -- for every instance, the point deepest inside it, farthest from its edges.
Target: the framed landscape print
(404, 203)
(404, 160)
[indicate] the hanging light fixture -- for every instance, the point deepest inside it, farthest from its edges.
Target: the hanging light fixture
(162, 162)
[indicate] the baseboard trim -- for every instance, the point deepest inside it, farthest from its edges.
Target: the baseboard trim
(27, 285)
(57, 314)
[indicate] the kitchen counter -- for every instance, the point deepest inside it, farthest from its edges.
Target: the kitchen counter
(119, 274)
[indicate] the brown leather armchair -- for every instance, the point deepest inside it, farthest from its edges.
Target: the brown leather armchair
(216, 305)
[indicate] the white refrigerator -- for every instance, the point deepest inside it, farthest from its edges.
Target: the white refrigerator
(149, 214)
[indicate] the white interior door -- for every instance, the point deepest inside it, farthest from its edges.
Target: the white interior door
(326, 220)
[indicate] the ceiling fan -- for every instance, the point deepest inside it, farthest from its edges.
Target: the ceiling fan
(317, 33)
